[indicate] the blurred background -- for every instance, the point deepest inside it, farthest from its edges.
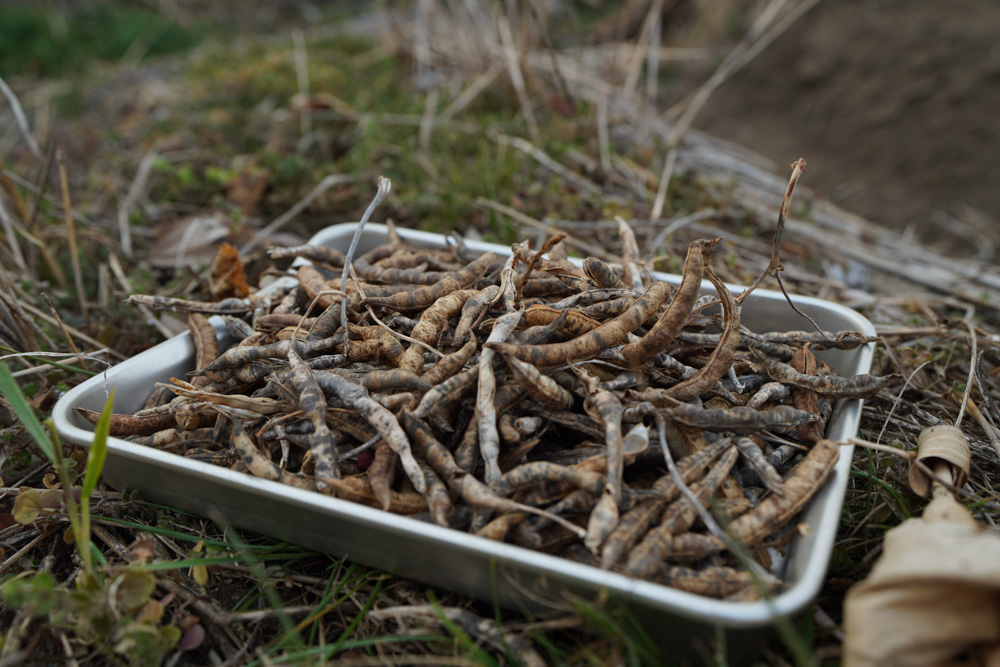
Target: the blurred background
(893, 104)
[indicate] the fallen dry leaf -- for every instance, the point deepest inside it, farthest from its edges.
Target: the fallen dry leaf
(227, 279)
(27, 506)
(189, 242)
(933, 598)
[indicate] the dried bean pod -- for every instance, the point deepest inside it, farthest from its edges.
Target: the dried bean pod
(804, 361)
(500, 527)
(540, 387)
(436, 494)
(448, 391)
(635, 273)
(171, 437)
(327, 323)
(489, 440)
(663, 332)
(608, 309)
(206, 345)
(713, 581)
(381, 472)
(820, 340)
(317, 287)
(144, 422)
(358, 490)
(432, 322)
(538, 472)
(315, 253)
(383, 421)
(312, 402)
(447, 366)
(261, 466)
(773, 513)
(564, 271)
(829, 386)
(395, 276)
(473, 309)
(240, 356)
(572, 321)
(650, 553)
(758, 462)
(740, 419)
(236, 327)
(607, 335)
(424, 296)
(602, 274)
(771, 391)
(231, 306)
(721, 359)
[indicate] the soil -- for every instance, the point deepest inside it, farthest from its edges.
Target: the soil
(893, 104)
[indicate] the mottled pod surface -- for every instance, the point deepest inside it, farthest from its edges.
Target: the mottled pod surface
(517, 399)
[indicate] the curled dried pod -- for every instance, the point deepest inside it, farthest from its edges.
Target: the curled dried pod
(943, 449)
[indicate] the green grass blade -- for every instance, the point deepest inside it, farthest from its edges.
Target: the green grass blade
(470, 648)
(873, 479)
(326, 653)
(356, 621)
(236, 558)
(253, 562)
(19, 404)
(98, 448)
(270, 549)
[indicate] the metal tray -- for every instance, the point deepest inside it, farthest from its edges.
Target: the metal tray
(512, 576)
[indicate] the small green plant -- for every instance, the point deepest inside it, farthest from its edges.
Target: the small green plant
(109, 608)
(78, 511)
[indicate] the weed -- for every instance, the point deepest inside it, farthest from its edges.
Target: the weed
(110, 609)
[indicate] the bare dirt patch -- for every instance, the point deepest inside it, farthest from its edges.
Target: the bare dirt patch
(892, 103)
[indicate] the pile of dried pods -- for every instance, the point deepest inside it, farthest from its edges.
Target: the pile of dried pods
(523, 400)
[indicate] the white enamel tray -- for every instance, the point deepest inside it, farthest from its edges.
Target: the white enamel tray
(514, 577)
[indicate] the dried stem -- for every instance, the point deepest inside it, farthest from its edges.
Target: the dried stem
(302, 79)
(384, 186)
(126, 284)
(7, 220)
(551, 241)
(972, 367)
(549, 163)
(775, 264)
(62, 327)
(551, 50)
(909, 456)
(20, 118)
(135, 191)
(527, 220)
(664, 426)
(516, 78)
(991, 431)
(71, 235)
(899, 397)
(301, 205)
(76, 333)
